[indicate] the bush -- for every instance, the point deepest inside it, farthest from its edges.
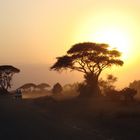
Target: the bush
(57, 88)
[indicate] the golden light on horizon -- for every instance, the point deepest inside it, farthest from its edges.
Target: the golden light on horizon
(116, 38)
(111, 27)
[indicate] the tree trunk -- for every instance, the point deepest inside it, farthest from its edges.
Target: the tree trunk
(90, 88)
(94, 88)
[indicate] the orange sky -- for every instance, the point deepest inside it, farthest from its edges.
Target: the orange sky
(34, 32)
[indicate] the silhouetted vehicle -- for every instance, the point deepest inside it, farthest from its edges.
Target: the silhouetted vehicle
(90, 59)
(18, 94)
(57, 88)
(6, 74)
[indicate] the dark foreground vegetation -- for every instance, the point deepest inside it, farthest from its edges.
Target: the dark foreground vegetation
(51, 118)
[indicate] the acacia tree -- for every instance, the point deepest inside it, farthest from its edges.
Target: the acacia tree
(42, 86)
(28, 86)
(90, 59)
(6, 74)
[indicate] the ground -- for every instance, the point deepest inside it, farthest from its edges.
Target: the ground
(74, 119)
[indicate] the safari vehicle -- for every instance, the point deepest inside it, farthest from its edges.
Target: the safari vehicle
(18, 94)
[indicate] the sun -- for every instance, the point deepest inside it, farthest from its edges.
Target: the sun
(116, 38)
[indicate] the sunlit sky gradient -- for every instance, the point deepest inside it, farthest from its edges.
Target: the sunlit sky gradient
(34, 32)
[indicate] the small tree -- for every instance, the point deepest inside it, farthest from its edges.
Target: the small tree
(135, 85)
(57, 88)
(28, 86)
(128, 94)
(6, 74)
(42, 86)
(90, 59)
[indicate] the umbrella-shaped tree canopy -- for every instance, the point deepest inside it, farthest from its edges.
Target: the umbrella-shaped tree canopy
(6, 74)
(91, 59)
(9, 69)
(43, 85)
(28, 86)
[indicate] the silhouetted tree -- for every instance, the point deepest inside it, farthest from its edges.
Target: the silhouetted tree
(90, 59)
(42, 86)
(135, 85)
(128, 94)
(57, 88)
(6, 74)
(28, 86)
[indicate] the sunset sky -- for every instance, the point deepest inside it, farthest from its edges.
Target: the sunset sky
(34, 32)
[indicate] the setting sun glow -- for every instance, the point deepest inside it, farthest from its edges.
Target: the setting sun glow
(117, 39)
